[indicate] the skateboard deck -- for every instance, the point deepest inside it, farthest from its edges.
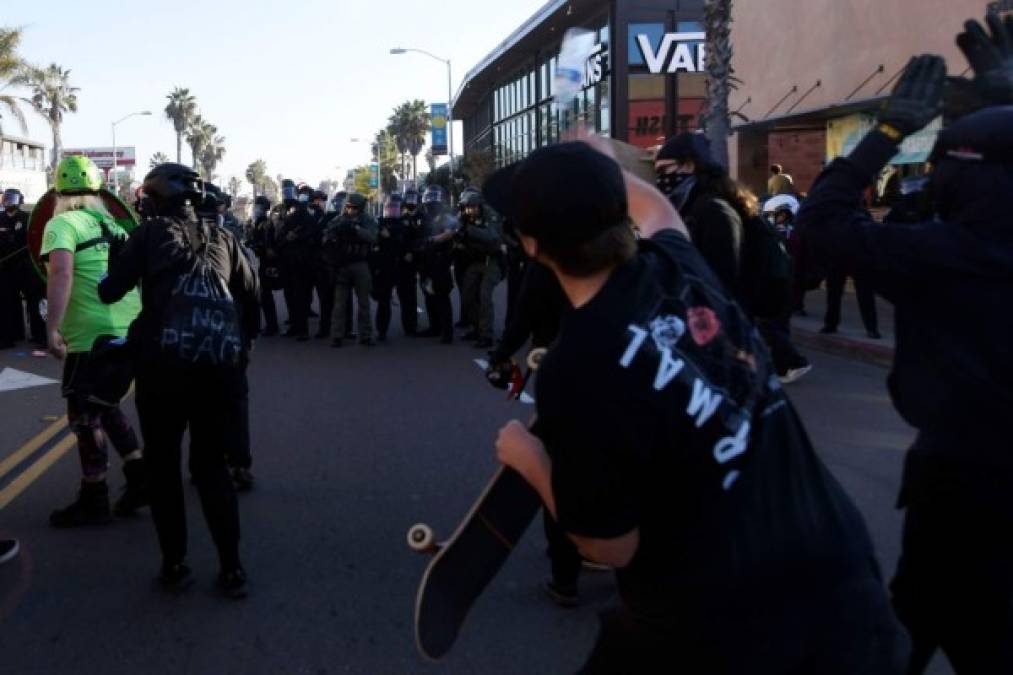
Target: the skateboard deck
(467, 562)
(470, 559)
(43, 213)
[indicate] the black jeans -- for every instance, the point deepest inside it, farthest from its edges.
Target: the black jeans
(777, 334)
(238, 449)
(954, 584)
(866, 301)
(268, 306)
(562, 553)
(168, 402)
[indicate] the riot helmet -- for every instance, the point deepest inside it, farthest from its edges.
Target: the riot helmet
(320, 196)
(410, 201)
(289, 195)
(471, 203)
(170, 186)
(781, 210)
(338, 200)
(432, 200)
(392, 207)
(261, 206)
(12, 199)
(213, 198)
(304, 193)
(354, 204)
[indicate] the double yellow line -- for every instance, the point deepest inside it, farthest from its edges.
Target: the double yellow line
(40, 466)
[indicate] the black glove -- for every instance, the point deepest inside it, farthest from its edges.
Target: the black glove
(917, 99)
(991, 58)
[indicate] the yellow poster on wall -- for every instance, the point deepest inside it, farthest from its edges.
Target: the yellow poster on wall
(844, 133)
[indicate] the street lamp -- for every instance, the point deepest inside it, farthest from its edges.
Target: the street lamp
(450, 111)
(116, 185)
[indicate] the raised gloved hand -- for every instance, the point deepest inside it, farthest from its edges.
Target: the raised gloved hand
(916, 100)
(991, 58)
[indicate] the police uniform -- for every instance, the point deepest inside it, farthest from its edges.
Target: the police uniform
(13, 262)
(349, 240)
(479, 240)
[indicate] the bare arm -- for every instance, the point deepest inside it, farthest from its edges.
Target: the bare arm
(523, 452)
(60, 271)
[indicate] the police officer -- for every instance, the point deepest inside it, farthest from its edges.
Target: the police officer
(435, 276)
(516, 264)
(349, 238)
(479, 239)
(383, 263)
(950, 281)
(265, 247)
(229, 220)
(295, 246)
(17, 278)
(463, 257)
(320, 270)
(407, 269)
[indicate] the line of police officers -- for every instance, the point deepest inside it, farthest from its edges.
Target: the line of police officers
(345, 253)
(18, 281)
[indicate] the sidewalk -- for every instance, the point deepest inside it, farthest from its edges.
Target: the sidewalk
(850, 340)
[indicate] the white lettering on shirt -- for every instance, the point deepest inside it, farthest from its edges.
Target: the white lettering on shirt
(730, 447)
(668, 369)
(639, 336)
(703, 403)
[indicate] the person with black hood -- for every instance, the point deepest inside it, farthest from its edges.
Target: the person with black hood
(713, 206)
(198, 319)
(950, 280)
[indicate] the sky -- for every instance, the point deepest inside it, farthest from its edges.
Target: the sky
(290, 83)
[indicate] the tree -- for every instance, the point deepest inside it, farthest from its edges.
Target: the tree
(181, 110)
(211, 155)
(385, 151)
(256, 174)
(10, 68)
(157, 158)
(52, 97)
(720, 77)
(409, 123)
(235, 185)
(198, 135)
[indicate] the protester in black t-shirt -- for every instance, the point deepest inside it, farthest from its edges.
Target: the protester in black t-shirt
(668, 450)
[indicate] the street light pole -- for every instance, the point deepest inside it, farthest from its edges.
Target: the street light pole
(450, 112)
(116, 183)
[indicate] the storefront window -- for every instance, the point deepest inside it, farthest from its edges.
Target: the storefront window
(646, 109)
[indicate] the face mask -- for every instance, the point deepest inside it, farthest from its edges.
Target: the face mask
(304, 199)
(258, 212)
(668, 183)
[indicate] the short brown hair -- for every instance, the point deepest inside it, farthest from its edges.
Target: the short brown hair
(776, 168)
(610, 248)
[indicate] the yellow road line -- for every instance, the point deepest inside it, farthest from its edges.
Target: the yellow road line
(31, 446)
(41, 465)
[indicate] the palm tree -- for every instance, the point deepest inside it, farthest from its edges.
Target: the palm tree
(157, 158)
(256, 174)
(720, 78)
(182, 108)
(199, 133)
(10, 68)
(211, 155)
(52, 97)
(235, 185)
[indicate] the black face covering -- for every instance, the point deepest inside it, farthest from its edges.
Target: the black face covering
(668, 183)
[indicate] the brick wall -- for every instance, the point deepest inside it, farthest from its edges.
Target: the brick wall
(801, 153)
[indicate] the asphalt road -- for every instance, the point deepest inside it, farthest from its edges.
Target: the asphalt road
(351, 447)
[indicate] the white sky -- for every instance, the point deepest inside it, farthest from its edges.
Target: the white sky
(290, 82)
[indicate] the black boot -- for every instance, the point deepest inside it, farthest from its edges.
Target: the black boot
(135, 494)
(91, 507)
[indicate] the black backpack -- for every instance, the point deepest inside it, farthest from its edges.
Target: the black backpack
(765, 277)
(200, 325)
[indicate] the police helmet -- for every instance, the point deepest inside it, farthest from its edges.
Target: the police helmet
(213, 197)
(12, 198)
(169, 186)
(227, 200)
(775, 205)
(355, 200)
(289, 195)
(319, 195)
(410, 198)
(433, 195)
(471, 197)
(262, 202)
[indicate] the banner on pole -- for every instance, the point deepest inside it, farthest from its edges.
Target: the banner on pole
(374, 175)
(438, 115)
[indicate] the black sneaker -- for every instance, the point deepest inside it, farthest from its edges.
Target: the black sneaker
(562, 595)
(90, 508)
(175, 578)
(8, 550)
(243, 479)
(233, 584)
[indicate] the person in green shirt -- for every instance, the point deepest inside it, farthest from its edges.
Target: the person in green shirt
(76, 245)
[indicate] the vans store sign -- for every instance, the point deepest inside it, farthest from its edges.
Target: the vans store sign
(682, 52)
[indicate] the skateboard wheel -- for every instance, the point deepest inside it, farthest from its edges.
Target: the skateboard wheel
(421, 537)
(535, 357)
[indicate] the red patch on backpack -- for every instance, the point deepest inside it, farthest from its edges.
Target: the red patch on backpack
(703, 324)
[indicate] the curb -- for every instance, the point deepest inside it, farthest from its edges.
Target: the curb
(875, 354)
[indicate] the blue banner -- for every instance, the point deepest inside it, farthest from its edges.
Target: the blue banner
(438, 118)
(374, 175)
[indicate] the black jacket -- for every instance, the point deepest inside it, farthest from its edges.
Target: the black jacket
(715, 228)
(13, 240)
(155, 255)
(537, 311)
(952, 287)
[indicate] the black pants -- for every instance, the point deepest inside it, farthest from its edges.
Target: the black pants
(954, 584)
(777, 334)
(514, 279)
(238, 449)
(845, 630)
(168, 403)
(438, 305)
(33, 290)
(562, 553)
(408, 297)
(298, 280)
(12, 318)
(866, 301)
(323, 282)
(267, 306)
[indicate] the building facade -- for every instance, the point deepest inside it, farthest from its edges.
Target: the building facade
(642, 82)
(814, 73)
(23, 166)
